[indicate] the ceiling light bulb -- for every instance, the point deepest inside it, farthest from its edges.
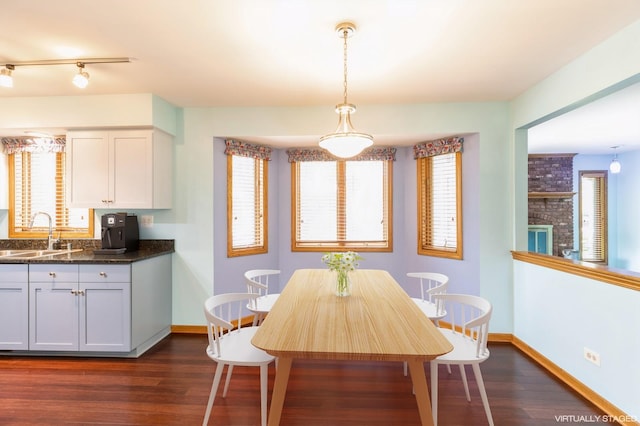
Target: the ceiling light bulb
(5, 76)
(81, 79)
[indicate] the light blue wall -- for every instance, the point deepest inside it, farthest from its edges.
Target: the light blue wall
(558, 314)
(628, 212)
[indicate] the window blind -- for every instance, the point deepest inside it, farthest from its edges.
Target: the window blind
(439, 199)
(342, 204)
(593, 217)
(247, 203)
(39, 185)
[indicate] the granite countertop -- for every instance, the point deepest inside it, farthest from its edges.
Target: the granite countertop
(147, 249)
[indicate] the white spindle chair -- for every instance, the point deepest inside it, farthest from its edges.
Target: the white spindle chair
(230, 345)
(468, 317)
(257, 281)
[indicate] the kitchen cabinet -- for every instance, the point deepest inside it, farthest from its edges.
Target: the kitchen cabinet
(123, 169)
(99, 309)
(80, 308)
(14, 307)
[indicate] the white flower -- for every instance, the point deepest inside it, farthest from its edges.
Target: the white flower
(341, 262)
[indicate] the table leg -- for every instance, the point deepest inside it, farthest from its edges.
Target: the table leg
(279, 390)
(419, 380)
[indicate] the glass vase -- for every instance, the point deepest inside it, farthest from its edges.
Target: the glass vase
(343, 283)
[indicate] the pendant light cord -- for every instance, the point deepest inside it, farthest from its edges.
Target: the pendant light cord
(345, 34)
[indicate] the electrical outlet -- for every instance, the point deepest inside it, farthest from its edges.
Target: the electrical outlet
(146, 221)
(592, 356)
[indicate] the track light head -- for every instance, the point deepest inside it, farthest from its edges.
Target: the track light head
(6, 80)
(81, 79)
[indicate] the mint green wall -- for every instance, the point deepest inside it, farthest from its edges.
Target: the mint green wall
(558, 314)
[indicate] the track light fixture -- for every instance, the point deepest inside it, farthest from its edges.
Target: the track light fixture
(81, 79)
(5, 76)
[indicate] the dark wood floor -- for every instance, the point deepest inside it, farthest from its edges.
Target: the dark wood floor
(169, 385)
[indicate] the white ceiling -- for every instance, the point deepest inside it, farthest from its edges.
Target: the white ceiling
(205, 53)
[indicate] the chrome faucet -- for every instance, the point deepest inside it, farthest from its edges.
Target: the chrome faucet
(50, 240)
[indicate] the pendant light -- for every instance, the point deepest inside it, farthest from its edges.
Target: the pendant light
(615, 165)
(5, 76)
(345, 142)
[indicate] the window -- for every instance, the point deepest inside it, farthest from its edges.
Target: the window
(37, 184)
(593, 216)
(246, 205)
(440, 205)
(340, 205)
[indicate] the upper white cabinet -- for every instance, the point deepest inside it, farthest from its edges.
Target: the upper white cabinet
(128, 169)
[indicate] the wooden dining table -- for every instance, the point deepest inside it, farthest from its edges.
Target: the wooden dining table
(377, 322)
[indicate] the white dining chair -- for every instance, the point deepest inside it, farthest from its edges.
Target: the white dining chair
(257, 282)
(430, 283)
(468, 330)
(230, 345)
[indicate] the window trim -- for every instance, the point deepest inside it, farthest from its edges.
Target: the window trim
(362, 246)
(32, 234)
(257, 249)
(423, 249)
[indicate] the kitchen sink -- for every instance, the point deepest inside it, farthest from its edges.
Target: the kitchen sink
(32, 254)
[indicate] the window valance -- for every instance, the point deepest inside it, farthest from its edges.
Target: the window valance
(246, 149)
(317, 154)
(437, 147)
(11, 145)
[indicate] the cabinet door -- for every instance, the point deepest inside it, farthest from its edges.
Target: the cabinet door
(14, 307)
(105, 317)
(87, 169)
(53, 316)
(105, 314)
(132, 180)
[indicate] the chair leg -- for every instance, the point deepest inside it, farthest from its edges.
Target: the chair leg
(404, 368)
(483, 393)
(463, 374)
(212, 394)
(226, 382)
(264, 379)
(434, 391)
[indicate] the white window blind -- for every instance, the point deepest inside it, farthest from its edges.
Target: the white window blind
(439, 197)
(593, 216)
(39, 185)
(342, 204)
(247, 214)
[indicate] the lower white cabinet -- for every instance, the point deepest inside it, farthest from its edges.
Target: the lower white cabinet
(14, 307)
(80, 307)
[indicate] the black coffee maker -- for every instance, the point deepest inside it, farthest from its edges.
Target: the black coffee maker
(120, 233)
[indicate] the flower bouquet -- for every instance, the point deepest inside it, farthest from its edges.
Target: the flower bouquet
(342, 264)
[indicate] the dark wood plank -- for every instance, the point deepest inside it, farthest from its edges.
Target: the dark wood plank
(169, 385)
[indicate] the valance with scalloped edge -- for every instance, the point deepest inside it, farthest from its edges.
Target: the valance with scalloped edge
(11, 145)
(318, 154)
(246, 149)
(437, 147)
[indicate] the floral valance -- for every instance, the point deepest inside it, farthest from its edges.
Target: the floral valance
(437, 147)
(318, 154)
(11, 145)
(246, 149)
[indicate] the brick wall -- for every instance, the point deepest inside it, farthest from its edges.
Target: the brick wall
(552, 174)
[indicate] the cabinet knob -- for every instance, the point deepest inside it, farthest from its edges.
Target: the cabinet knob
(81, 292)
(52, 274)
(103, 274)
